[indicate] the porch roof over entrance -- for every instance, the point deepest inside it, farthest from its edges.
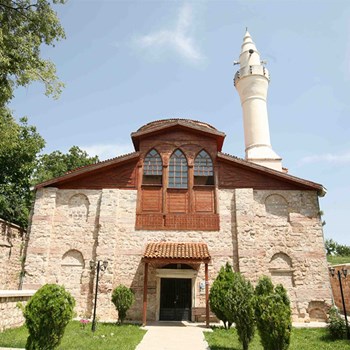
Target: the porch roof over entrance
(176, 252)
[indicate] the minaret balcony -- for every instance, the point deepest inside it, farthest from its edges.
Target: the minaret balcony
(251, 70)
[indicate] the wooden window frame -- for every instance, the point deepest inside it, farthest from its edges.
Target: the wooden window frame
(178, 170)
(152, 169)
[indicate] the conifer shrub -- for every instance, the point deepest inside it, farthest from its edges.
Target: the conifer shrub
(239, 308)
(336, 324)
(122, 298)
(46, 316)
(218, 291)
(273, 315)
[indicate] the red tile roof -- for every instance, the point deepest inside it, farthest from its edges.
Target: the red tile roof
(180, 251)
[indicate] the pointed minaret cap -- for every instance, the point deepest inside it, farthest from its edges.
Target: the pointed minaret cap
(249, 53)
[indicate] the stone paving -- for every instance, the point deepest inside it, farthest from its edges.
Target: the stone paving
(174, 336)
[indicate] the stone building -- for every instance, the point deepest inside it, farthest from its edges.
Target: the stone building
(167, 217)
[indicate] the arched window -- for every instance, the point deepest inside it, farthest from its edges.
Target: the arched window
(203, 169)
(178, 170)
(152, 168)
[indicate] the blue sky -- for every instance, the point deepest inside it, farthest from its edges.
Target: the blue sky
(126, 63)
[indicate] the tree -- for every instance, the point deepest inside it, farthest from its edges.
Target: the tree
(122, 298)
(19, 145)
(218, 291)
(21, 167)
(47, 315)
(57, 163)
(25, 26)
(334, 248)
(331, 246)
(239, 308)
(273, 315)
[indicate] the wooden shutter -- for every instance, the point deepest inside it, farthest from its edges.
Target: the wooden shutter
(152, 200)
(204, 200)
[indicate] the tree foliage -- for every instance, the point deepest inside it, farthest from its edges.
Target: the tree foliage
(218, 291)
(273, 315)
(19, 145)
(57, 163)
(122, 298)
(21, 166)
(25, 26)
(47, 315)
(334, 248)
(239, 308)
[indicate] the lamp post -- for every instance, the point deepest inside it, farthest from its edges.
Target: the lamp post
(345, 273)
(99, 267)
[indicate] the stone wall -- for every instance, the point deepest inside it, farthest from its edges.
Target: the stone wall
(11, 315)
(277, 233)
(12, 251)
(336, 287)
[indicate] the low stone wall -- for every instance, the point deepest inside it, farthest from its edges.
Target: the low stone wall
(336, 287)
(12, 252)
(10, 315)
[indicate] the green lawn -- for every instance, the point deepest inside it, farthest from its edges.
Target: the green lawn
(335, 260)
(302, 339)
(107, 337)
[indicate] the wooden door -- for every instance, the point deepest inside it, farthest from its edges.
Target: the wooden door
(175, 299)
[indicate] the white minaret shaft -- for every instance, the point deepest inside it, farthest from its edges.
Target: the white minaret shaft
(252, 82)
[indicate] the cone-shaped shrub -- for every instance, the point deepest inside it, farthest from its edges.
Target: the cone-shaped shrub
(122, 298)
(46, 316)
(273, 315)
(239, 308)
(218, 291)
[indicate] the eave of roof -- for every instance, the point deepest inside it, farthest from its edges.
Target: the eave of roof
(172, 251)
(274, 173)
(87, 168)
(220, 136)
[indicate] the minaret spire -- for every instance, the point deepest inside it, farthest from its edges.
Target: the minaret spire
(251, 82)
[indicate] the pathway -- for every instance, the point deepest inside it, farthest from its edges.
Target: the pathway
(174, 336)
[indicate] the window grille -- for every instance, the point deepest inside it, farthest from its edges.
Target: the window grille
(178, 170)
(203, 169)
(152, 168)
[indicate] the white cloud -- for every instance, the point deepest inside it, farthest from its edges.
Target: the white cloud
(178, 39)
(327, 158)
(107, 151)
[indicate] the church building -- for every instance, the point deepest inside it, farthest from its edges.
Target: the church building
(167, 217)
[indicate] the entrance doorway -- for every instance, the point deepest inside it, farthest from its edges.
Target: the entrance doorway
(175, 299)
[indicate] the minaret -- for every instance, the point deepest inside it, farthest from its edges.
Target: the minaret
(252, 82)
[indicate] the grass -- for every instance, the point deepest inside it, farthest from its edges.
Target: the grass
(106, 337)
(337, 259)
(301, 339)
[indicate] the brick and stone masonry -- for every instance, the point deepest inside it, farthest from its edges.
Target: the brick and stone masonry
(12, 252)
(277, 233)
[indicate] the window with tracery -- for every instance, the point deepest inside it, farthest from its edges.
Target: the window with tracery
(178, 170)
(152, 168)
(203, 169)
